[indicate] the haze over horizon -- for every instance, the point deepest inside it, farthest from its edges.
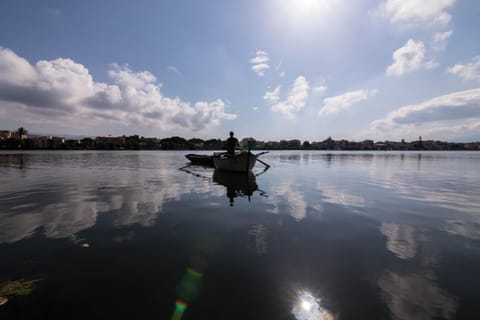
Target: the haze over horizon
(279, 69)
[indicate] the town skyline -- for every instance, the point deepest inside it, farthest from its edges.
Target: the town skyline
(20, 139)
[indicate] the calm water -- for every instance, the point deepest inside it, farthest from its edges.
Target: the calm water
(127, 235)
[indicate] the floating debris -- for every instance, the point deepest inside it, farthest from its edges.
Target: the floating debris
(85, 245)
(3, 300)
(17, 288)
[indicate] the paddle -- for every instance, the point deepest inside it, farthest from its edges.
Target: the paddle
(265, 164)
(259, 154)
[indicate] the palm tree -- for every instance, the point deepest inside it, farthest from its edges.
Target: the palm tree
(21, 132)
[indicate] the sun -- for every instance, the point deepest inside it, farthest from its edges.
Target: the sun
(306, 12)
(305, 6)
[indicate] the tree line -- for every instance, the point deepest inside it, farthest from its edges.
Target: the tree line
(19, 140)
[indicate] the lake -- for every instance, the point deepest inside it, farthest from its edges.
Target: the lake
(319, 235)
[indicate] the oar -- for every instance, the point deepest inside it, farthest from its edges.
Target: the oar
(265, 164)
(258, 155)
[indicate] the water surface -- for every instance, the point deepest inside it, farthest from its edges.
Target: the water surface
(320, 235)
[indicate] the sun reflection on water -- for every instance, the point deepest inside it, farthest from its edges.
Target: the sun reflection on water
(307, 307)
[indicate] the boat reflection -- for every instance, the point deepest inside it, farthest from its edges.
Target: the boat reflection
(237, 184)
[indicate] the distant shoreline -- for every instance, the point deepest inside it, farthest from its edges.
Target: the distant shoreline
(13, 142)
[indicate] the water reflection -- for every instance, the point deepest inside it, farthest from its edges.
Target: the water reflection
(237, 184)
(308, 307)
(289, 199)
(61, 201)
(258, 236)
(336, 195)
(415, 297)
(401, 240)
(14, 160)
(354, 225)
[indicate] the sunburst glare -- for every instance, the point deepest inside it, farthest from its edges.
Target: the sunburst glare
(307, 9)
(307, 307)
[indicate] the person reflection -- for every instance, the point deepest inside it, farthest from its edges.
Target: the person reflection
(237, 184)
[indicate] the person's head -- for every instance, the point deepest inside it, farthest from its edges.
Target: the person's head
(231, 133)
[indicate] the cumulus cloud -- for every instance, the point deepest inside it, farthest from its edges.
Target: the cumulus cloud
(273, 95)
(409, 58)
(260, 63)
(62, 90)
(332, 105)
(452, 115)
(457, 105)
(469, 71)
(319, 89)
(415, 13)
(440, 40)
(296, 99)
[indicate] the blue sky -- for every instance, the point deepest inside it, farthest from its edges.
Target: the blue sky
(273, 69)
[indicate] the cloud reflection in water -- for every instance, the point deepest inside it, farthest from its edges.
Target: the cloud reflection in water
(61, 198)
(412, 297)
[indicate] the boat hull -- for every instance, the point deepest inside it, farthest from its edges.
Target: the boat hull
(199, 159)
(242, 162)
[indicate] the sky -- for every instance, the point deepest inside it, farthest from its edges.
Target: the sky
(271, 69)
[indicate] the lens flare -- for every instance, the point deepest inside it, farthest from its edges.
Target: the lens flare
(180, 305)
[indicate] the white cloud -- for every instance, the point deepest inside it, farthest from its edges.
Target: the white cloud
(457, 105)
(415, 12)
(409, 58)
(278, 67)
(261, 57)
(469, 71)
(454, 115)
(296, 100)
(260, 63)
(260, 69)
(319, 89)
(273, 95)
(174, 70)
(344, 101)
(62, 90)
(440, 40)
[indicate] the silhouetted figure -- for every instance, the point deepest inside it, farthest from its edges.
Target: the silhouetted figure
(232, 144)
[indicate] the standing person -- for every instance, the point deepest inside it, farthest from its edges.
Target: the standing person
(232, 144)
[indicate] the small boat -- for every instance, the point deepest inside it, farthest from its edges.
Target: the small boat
(243, 161)
(200, 159)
